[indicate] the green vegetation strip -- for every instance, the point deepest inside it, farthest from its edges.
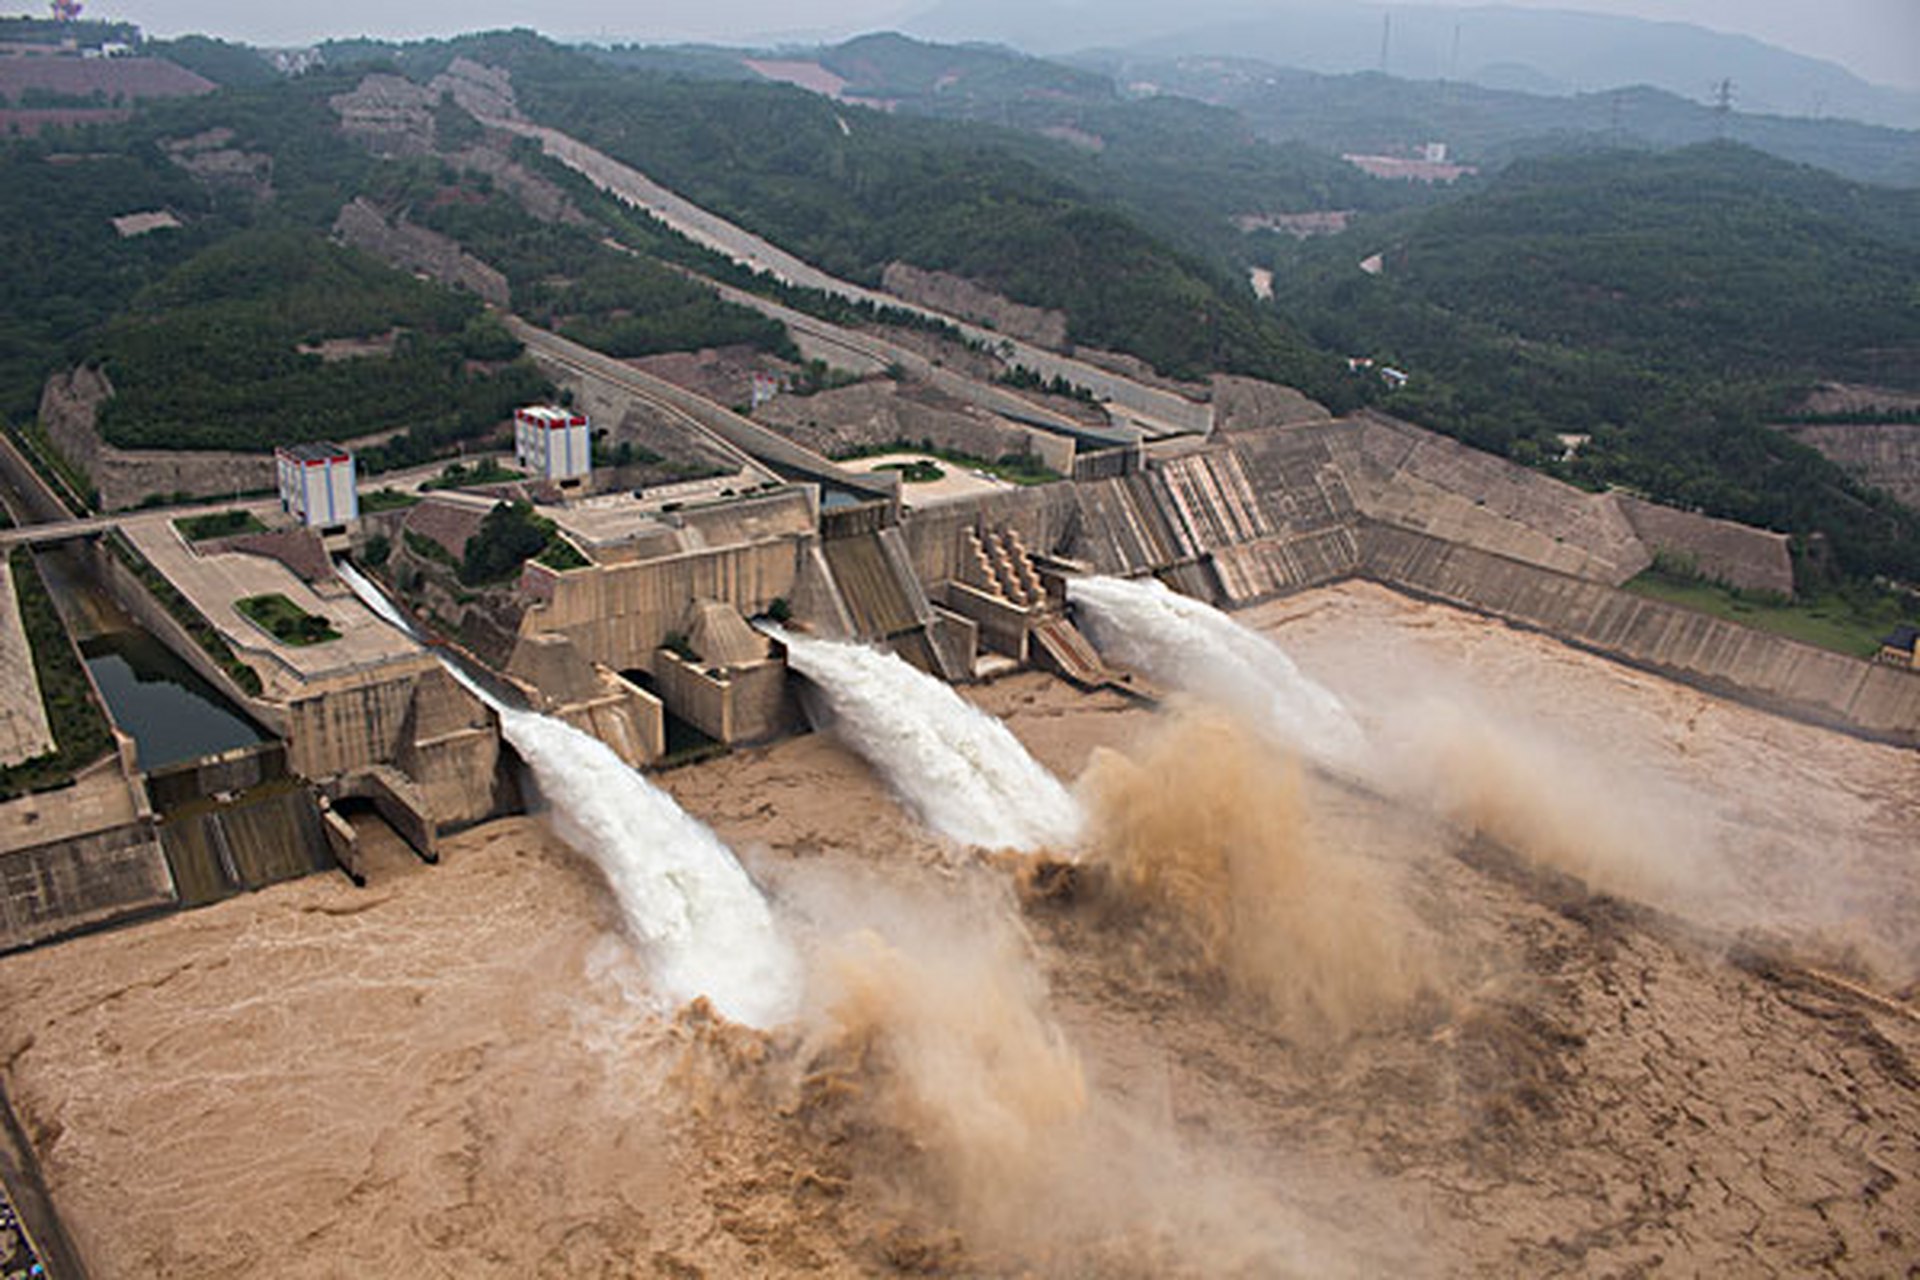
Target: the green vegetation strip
(203, 632)
(80, 728)
(460, 475)
(919, 471)
(218, 524)
(386, 499)
(1850, 621)
(286, 621)
(69, 483)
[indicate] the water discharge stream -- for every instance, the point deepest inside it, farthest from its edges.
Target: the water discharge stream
(960, 770)
(704, 927)
(1188, 645)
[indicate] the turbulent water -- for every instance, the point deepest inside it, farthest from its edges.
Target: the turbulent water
(1188, 645)
(705, 928)
(960, 770)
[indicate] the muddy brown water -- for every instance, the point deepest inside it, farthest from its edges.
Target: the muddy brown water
(456, 1071)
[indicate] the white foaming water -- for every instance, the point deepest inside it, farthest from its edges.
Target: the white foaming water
(960, 770)
(1182, 642)
(702, 924)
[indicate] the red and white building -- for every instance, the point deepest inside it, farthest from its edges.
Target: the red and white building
(552, 443)
(317, 483)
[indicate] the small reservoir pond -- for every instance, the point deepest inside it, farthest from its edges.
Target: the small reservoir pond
(172, 713)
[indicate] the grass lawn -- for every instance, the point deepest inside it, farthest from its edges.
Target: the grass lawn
(218, 524)
(387, 499)
(1842, 623)
(286, 621)
(458, 475)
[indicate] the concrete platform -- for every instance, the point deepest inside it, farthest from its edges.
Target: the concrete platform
(24, 732)
(214, 582)
(957, 484)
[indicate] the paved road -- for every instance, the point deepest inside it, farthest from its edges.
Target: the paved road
(867, 346)
(741, 437)
(1155, 412)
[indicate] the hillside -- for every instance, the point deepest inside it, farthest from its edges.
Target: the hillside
(1370, 112)
(1184, 168)
(68, 269)
(1544, 50)
(1664, 305)
(222, 328)
(851, 190)
(231, 350)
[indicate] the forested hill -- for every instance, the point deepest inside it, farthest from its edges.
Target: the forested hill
(852, 189)
(1664, 304)
(1711, 259)
(1182, 169)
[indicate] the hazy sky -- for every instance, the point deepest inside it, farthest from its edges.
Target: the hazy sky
(1877, 39)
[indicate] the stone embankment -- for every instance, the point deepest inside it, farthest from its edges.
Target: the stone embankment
(1869, 699)
(1885, 455)
(70, 413)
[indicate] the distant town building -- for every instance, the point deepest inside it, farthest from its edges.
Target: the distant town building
(317, 483)
(139, 224)
(1410, 169)
(1899, 648)
(553, 444)
(1571, 443)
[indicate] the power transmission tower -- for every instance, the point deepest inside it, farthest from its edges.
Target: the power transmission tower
(1723, 104)
(1386, 38)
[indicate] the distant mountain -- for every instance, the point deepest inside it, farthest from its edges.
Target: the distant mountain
(1502, 47)
(1185, 170)
(1370, 112)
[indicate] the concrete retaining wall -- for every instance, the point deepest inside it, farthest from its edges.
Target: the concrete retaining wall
(69, 410)
(619, 615)
(132, 595)
(738, 705)
(1128, 527)
(936, 536)
(50, 890)
(1869, 699)
(352, 726)
(1736, 554)
(1256, 571)
(1400, 474)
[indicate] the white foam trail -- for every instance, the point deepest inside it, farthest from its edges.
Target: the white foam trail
(960, 770)
(1189, 645)
(702, 924)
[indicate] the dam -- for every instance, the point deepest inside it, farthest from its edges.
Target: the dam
(642, 636)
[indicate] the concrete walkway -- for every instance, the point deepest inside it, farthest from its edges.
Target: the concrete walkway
(24, 732)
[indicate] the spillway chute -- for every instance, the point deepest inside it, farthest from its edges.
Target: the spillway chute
(960, 770)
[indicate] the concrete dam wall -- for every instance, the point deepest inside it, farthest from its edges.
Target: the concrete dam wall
(1270, 511)
(1870, 699)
